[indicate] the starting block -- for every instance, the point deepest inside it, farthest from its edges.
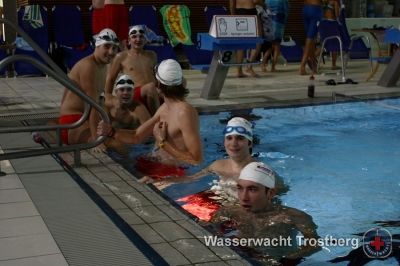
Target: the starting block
(227, 34)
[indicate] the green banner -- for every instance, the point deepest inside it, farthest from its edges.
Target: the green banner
(177, 24)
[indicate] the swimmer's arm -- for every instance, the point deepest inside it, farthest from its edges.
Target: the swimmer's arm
(141, 133)
(203, 172)
(199, 174)
(187, 179)
(305, 224)
(109, 103)
(112, 74)
(143, 114)
(86, 83)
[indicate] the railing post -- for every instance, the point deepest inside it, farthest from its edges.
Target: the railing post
(77, 158)
(58, 137)
(1, 172)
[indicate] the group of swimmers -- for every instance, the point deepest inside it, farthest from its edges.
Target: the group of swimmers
(134, 86)
(138, 90)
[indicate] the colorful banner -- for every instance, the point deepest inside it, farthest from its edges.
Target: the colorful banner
(177, 24)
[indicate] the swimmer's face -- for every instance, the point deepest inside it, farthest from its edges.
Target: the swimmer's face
(106, 52)
(124, 95)
(137, 40)
(237, 146)
(252, 196)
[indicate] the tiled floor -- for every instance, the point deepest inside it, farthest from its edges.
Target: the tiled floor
(24, 237)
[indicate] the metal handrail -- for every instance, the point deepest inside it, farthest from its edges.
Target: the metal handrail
(49, 71)
(58, 74)
(341, 54)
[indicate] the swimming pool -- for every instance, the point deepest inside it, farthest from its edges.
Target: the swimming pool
(341, 162)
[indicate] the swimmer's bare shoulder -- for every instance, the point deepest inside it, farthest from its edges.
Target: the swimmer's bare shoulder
(121, 56)
(150, 54)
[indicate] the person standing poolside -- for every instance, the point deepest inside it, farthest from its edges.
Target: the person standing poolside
(312, 14)
(331, 11)
(280, 11)
(258, 218)
(89, 73)
(139, 64)
(175, 125)
(124, 111)
(111, 14)
(246, 7)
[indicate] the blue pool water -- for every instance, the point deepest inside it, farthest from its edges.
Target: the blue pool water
(340, 161)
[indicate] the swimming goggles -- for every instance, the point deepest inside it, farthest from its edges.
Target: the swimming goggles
(239, 129)
(107, 38)
(124, 81)
(134, 32)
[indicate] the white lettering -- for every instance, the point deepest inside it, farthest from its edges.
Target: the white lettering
(327, 241)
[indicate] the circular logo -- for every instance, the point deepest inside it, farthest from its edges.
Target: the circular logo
(377, 243)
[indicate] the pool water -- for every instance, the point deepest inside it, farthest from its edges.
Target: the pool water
(340, 161)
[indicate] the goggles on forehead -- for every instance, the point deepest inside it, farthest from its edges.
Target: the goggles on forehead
(124, 81)
(239, 129)
(135, 32)
(108, 38)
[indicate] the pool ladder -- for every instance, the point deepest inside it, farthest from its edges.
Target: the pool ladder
(57, 73)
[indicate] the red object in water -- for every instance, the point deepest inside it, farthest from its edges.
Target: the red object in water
(201, 205)
(157, 170)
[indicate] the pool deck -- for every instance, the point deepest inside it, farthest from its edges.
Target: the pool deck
(38, 198)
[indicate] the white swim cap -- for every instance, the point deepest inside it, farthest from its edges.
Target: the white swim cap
(106, 36)
(137, 29)
(124, 81)
(239, 126)
(169, 73)
(258, 173)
